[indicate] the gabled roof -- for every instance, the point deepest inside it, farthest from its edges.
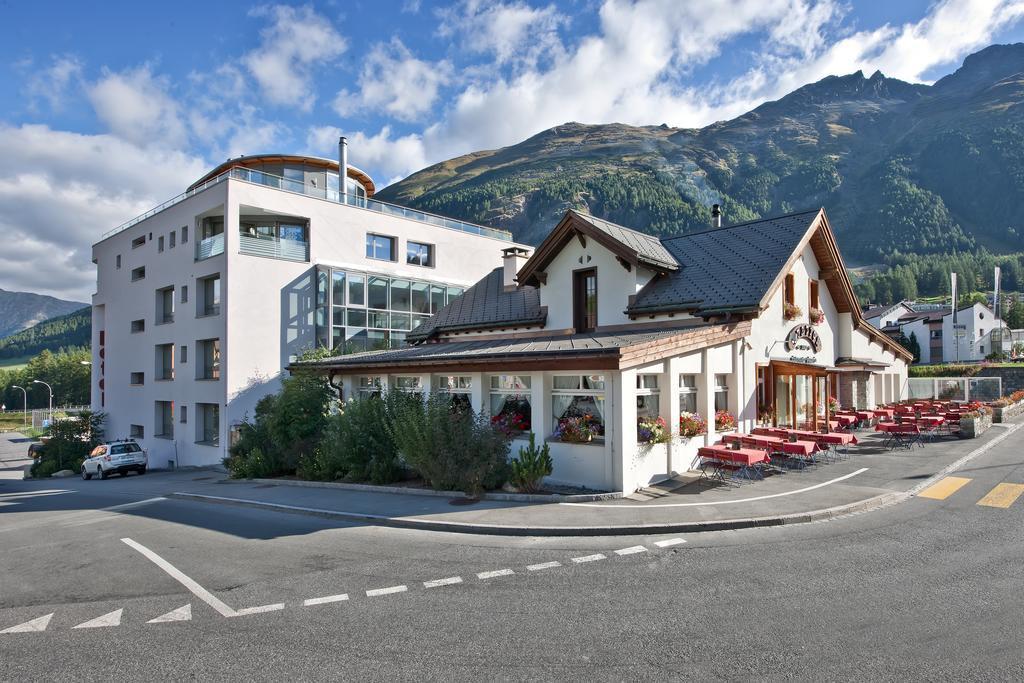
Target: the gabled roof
(725, 269)
(485, 305)
(629, 246)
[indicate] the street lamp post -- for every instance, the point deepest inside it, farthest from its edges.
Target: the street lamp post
(24, 410)
(37, 381)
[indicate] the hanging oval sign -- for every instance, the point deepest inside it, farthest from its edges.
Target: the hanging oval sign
(803, 338)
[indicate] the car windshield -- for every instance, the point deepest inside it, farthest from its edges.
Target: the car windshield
(125, 448)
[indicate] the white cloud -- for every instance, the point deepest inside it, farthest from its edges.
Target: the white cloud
(52, 83)
(60, 191)
(136, 106)
(296, 41)
(383, 152)
(512, 32)
(394, 81)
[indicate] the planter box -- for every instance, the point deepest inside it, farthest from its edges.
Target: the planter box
(971, 428)
(1005, 414)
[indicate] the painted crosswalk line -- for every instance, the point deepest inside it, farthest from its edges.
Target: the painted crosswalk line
(944, 488)
(437, 583)
(588, 558)
(183, 613)
(669, 542)
(108, 619)
(543, 565)
(1002, 496)
(341, 597)
(632, 550)
(495, 574)
(34, 626)
(386, 591)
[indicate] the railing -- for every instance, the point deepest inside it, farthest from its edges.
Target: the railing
(290, 250)
(955, 388)
(288, 185)
(211, 246)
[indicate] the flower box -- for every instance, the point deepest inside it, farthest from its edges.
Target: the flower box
(816, 316)
(792, 311)
(975, 424)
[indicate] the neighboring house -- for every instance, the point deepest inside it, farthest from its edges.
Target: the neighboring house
(927, 329)
(201, 302)
(971, 342)
(610, 326)
(885, 317)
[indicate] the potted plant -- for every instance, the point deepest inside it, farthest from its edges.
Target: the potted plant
(792, 311)
(833, 404)
(652, 430)
(816, 315)
(511, 422)
(724, 421)
(764, 418)
(691, 425)
(581, 429)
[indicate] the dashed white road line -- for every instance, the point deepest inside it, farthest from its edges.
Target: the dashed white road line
(183, 613)
(206, 596)
(326, 599)
(632, 550)
(543, 565)
(108, 619)
(34, 626)
(259, 610)
(588, 558)
(386, 591)
(669, 542)
(494, 574)
(436, 583)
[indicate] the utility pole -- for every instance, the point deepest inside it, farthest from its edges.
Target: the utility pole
(24, 409)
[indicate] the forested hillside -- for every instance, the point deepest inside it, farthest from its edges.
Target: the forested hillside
(901, 168)
(71, 332)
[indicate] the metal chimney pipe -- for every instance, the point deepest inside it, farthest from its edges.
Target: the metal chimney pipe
(716, 216)
(343, 169)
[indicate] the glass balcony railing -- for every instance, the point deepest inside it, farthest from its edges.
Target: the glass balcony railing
(288, 185)
(274, 247)
(211, 246)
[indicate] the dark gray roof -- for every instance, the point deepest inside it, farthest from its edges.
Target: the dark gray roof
(485, 303)
(648, 247)
(597, 343)
(729, 268)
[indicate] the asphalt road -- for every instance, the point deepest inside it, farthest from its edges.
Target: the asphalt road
(927, 589)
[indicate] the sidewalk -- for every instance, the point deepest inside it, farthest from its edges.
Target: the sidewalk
(870, 478)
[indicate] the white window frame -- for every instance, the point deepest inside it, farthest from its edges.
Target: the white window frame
(687, 390)
(643, 389)
(595, 393)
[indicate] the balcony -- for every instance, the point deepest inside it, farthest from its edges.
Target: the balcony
(287, 185)
(211, 246)
(274, 247)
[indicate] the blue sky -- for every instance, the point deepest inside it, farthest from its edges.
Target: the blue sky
(112, 107)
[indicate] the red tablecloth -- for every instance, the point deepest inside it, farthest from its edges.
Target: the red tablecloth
(905, 427)
(805, 448)
(884, 412)
(759, 440)
(844, 420)
(742, 456)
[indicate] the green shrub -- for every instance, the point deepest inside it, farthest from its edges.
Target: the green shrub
(70, 441)
(451, 448)
(944, 370)
(356, 446)
(529, 469)
(286, 429)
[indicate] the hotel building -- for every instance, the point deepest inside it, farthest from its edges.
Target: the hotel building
(203, 300)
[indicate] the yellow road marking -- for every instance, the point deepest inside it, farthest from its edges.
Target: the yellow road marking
(1002, 496)
(944, 488)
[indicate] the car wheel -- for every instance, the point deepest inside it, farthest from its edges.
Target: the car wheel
(142, 470)
(85, 473)
(99, 471)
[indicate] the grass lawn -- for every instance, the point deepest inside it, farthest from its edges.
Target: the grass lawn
(14, 363)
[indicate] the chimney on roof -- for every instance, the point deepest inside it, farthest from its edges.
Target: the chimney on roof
(342, 167)
(514, 258)
(716, 216)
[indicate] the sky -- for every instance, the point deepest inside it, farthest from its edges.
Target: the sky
(111, 108)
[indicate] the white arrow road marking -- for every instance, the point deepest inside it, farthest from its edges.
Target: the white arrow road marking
(588, 558)
(543, 565)
(326, 599)
(181, 614)
(669, 542)
(386, 591)
(442, 582)
(34, 626)
(108, 619)
(206, 596)
(632, 550)
(494, 574)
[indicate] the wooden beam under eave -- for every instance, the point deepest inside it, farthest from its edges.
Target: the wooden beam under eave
(624, 263)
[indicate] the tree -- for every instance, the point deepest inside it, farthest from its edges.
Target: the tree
(913, 346)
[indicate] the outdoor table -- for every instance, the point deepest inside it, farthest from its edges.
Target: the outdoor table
(903, 435)
(884, 413)
(844, 420)
(758, 440)
(745, 458)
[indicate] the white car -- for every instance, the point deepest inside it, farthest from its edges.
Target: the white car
(118, 457)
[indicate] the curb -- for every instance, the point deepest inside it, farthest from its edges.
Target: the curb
(865, 505)
(506, 497)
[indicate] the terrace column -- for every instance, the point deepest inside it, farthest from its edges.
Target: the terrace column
(622, 424)
(706, 393)
(668, 383)
(476, 393)
(737, 386)
(540, 406)
(426, 381)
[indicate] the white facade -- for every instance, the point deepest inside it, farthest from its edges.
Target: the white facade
(973, 342)
(228, 357)
(864, 364)
(890, 315)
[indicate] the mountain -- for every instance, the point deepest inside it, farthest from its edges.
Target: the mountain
(900, 167)
(69, 332)
(21, 310)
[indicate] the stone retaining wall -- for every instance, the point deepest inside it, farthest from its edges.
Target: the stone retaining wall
(1007, 413)
(971, 428)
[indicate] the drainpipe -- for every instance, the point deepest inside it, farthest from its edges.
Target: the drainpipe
(343, 169)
